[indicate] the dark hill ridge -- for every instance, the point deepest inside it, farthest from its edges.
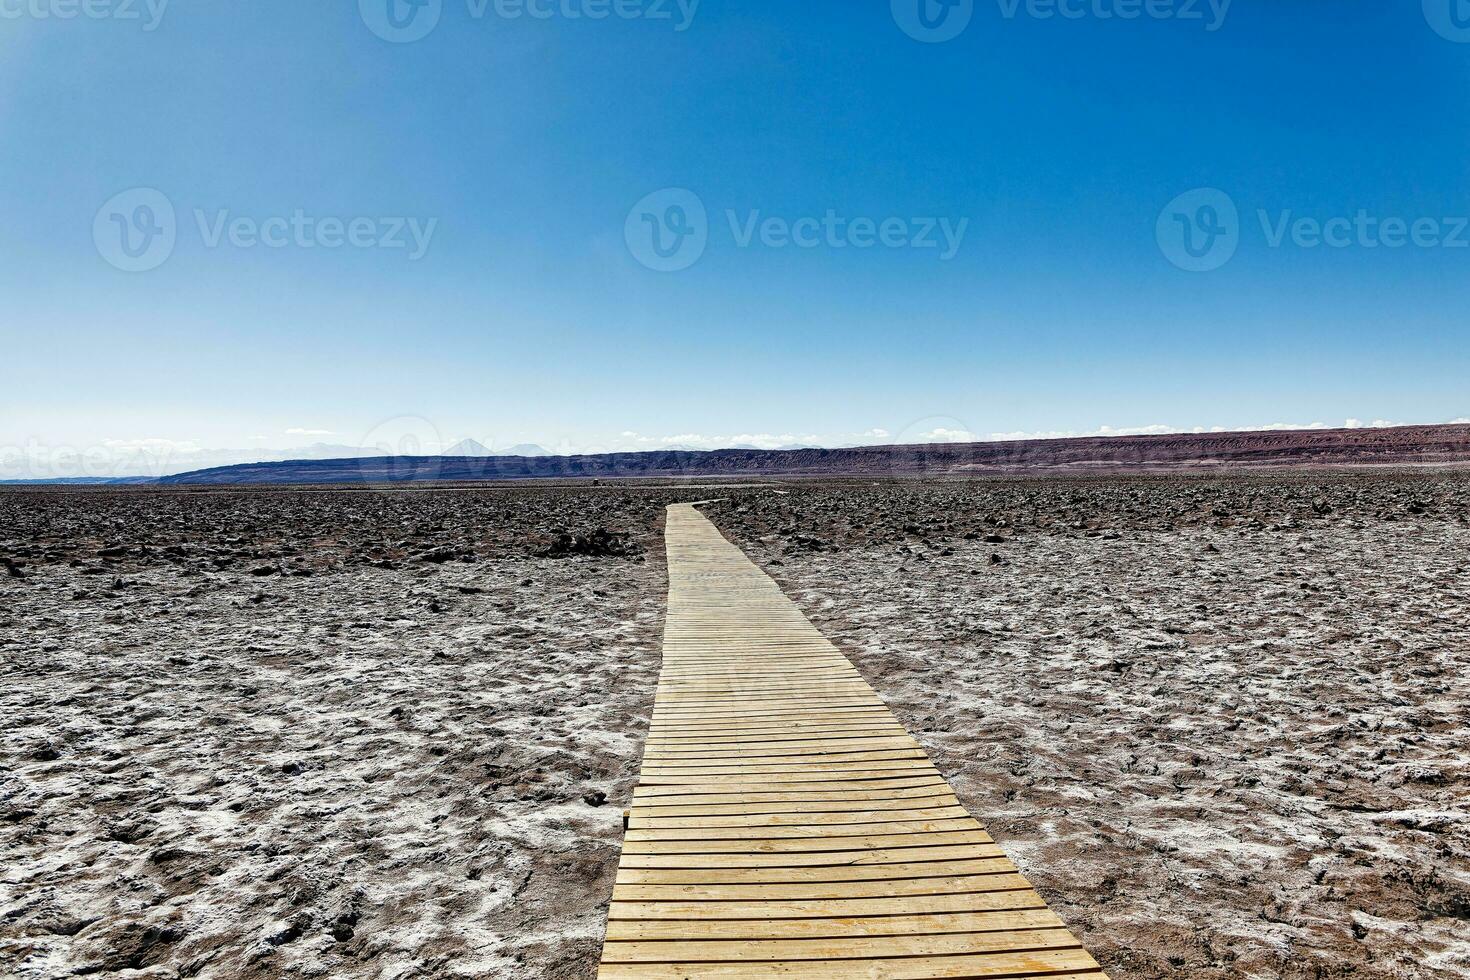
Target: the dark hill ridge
(1403, 445)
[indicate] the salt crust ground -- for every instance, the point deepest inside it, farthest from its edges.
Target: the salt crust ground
(1220, 723)
(387, 768)
(1223, 726)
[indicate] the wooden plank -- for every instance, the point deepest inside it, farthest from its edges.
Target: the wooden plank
(789, 776)
(777, 793)
(811, 891)
(668, 911)
(848, 948)
(808, 859)
(762, 755)
(816, 832)
(803, 744)
(759, 768)
(1049, 965)
(673, 808)
(785, 824)
(874, 843)
(882, 925)
(801, 721)
(799, 821)
(784, 875)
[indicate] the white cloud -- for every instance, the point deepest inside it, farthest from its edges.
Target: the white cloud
(310, 432)
(695, 440)
(1460, 421)
(942, 434)
(153, 446)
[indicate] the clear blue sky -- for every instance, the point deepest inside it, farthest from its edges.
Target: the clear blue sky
(528, 317)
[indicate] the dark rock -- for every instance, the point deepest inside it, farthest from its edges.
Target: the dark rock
(601, 543)
(290, 933)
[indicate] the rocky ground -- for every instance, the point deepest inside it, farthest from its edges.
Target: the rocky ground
(1220, 723)
(319, 734)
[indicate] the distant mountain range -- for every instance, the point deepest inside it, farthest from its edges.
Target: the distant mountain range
(80, 481)
(468, 447)
(475, 448)
(193, 461)
(1421, 445)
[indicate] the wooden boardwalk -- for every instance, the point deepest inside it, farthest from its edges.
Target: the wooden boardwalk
(786, 824)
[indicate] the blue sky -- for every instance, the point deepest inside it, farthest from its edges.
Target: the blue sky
(525, 309)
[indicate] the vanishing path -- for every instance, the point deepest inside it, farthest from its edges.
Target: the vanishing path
(786, 825)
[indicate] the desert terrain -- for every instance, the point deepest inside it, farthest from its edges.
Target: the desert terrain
(1219, 721)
